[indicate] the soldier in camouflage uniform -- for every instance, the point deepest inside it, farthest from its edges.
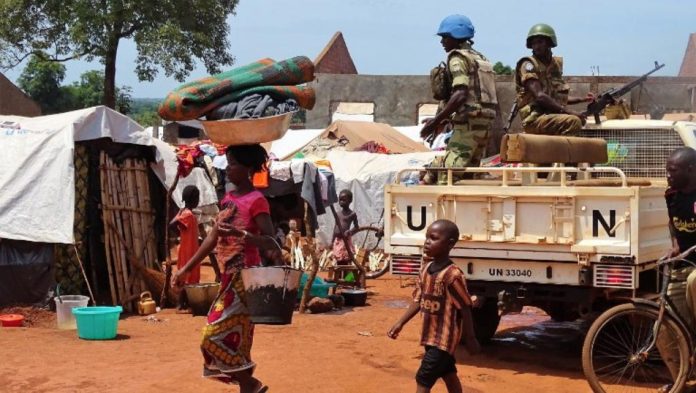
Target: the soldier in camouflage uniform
(465, 86)
(542, 94)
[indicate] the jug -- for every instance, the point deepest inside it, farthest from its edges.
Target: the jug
(146, 305)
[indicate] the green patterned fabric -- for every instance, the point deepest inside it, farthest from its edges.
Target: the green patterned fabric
(283, 79)
(67, 267)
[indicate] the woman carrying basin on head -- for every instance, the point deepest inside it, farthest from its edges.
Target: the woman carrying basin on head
(242, 229)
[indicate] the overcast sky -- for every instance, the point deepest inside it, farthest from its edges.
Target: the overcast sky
(620, 37)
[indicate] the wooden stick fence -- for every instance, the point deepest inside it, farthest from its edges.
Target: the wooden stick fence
(128, 226)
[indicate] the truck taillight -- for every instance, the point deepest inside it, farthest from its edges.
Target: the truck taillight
(405, 265)
(613, 276)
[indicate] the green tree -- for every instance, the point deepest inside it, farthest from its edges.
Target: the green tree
(124, 99)
(90, 90)
(147, 119)
(501, 69)
(169, 34)
(41, 80)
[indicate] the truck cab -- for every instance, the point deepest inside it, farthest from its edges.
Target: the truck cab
(575, 242)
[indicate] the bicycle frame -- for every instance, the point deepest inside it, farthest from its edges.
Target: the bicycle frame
(666, 264)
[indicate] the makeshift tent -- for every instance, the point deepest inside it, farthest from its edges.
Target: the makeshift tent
(38, 183)
(344, 135)
(292, 142)
(365, 174)
(358, 133)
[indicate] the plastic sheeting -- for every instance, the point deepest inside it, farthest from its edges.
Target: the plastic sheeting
(366, 174)
(292, 142)
(37, 185)
(37, 180)
(26, 272)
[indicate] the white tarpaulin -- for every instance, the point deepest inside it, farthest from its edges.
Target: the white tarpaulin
(37, 185)
(365, 174)
(37, 182)
(292, 142)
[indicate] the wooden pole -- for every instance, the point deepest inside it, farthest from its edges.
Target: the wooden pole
(84, 275)
(116, 247)
(122, 267)
(126, 202)
(310, 278)
(145, 211)
(105, 219)
(136, 227)
(168, 263)
(315, 265)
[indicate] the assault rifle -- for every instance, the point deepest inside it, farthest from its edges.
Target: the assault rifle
(609, 97)
(511, 117)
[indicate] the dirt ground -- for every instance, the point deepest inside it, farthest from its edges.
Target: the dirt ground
(344, 351)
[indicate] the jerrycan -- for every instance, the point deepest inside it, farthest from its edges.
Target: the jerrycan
(146, 305)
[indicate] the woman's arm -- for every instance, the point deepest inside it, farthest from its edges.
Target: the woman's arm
(265, 241)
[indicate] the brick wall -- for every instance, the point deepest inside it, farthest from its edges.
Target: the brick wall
(13, 101)
(335, 58)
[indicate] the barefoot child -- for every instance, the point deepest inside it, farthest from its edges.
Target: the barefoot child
(347, 219)
(441, 296)
(187, 224)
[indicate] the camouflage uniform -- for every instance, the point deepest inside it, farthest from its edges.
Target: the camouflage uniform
(534, 119)
(472, 122)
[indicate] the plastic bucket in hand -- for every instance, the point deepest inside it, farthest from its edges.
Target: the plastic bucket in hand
(97, 323)
(64, 307)
(271, 293)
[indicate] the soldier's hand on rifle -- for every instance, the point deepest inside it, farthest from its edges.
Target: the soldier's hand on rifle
(581, 115)
(590, 97)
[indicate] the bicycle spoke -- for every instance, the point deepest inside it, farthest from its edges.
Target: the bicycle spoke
(617, 362)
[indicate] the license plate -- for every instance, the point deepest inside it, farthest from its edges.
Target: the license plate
(559, 273)
(512, 273)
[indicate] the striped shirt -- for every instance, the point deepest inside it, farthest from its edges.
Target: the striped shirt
(441, 296)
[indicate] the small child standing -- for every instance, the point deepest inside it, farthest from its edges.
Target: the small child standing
(441, 296)
(187, 224)
(347, 219)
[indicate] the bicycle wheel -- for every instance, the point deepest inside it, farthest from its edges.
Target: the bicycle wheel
(614, 355)
(368, 243)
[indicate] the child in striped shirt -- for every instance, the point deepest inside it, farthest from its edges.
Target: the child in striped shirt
(443, 300)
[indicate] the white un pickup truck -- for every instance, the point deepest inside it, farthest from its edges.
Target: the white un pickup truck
(576, 242)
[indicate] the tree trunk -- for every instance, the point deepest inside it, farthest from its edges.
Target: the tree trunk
(109, 98)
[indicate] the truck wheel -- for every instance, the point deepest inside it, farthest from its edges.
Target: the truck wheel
(486, 320)
(561, 313)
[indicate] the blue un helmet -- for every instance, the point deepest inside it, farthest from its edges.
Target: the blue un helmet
(458, 27)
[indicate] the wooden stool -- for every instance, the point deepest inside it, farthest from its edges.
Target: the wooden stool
(337, 274)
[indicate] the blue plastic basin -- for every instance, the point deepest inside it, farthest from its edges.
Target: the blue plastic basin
(319, 288)
(97, 323)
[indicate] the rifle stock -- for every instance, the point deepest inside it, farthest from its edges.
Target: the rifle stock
(595, 107)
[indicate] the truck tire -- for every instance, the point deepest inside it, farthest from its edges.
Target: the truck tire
(561, 313)
(486, 320)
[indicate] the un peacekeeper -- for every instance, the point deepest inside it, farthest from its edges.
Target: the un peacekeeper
(542, 94)
(465, 86)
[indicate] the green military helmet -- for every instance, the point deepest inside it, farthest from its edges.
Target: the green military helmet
(542, 29)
